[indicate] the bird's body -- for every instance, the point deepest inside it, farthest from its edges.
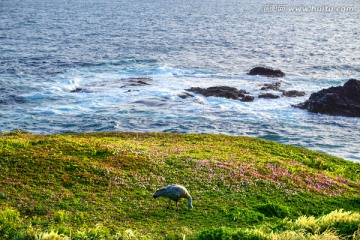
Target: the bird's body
(175, 193)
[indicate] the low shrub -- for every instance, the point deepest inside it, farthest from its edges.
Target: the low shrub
(223, 233)
(51, 236)
(10, 223)
(61, 216)
(273, 210)
(246, 216)
(302, 235)
(249, 235)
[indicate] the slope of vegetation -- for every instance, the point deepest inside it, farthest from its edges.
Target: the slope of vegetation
(100, 186)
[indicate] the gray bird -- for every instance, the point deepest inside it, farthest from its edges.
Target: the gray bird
(174, 192)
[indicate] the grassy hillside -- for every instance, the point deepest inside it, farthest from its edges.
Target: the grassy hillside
(100, 185)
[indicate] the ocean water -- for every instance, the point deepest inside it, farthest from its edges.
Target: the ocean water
(49, 48)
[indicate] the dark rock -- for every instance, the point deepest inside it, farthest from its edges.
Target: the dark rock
(268, 72)
(185, 95)
(337, 101)
(247, 98)
(220, 91)
(276, 87)
(293, 93)
(80, 90)
(271, 86)
(140, 83)
(268, 95)
(137, 81)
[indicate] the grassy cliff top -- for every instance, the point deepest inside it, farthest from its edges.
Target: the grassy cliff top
(68, 182)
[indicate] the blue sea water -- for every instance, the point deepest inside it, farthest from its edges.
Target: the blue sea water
(49, 48)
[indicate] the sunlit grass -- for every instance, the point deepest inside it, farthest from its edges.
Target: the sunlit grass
(101, 184)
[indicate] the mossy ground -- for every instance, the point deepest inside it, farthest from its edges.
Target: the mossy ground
(69, 182)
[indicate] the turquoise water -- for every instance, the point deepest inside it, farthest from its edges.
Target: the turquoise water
(49, 48)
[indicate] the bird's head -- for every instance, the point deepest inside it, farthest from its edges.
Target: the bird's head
(190, 206)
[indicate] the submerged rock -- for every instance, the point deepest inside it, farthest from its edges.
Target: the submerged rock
(271, 86)
(337, 101)
(152, 102)
(11, 99)
(276, 87)
(268, 72)
(219, 91)
(185, 95)
(222, 91)
(80, 90)
(269, 95)
(293, 93)
(136, 82)
(247, 98)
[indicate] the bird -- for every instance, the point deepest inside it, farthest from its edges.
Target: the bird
(174, 192)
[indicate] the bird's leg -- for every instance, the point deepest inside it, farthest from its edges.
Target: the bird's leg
(169, 204)
(177, 207)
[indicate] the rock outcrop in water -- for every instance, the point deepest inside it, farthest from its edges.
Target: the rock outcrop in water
(268, 72)
(185, 95)
(268, 95)
(276, 87)
(80, 90)
(223, 91)
(337, 101)
(271, 86)
(136, 82)
(293, 93)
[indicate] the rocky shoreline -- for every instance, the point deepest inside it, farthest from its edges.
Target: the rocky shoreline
(337, 101)
(243, 95)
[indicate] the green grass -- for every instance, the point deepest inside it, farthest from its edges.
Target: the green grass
(97, 185)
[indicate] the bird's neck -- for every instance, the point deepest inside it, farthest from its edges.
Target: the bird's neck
(189, 202)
